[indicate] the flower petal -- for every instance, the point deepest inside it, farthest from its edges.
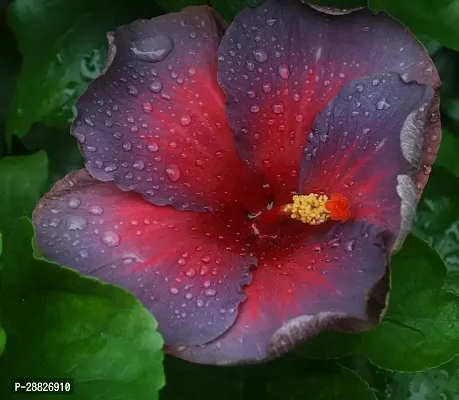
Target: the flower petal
(326, 282)
(367, 146)
(154, 121)
(283, 61)
(173, 261)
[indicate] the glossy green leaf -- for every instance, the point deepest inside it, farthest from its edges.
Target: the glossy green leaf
(437, 219)
(448, 154)
(438, 19)
(441, 383)
(177, 5)
(60, 324)
(62, 149)
(419, 330)
(288, 378)
(63, 47)
(22, 182)
(228, 9)
(339, 3)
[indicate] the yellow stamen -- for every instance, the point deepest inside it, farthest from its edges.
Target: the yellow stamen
(309, 209)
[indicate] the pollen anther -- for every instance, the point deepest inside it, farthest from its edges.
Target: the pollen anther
(316, 209)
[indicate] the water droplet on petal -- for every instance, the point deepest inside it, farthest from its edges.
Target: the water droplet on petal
(382, 104)
(190, 273)
(127, 146)
(138, 165)
(267, 87)
(96, 210)
(173, 172)
(74, 202)
(210, 292)
(153, 147)
(271, 21)
(132, 90)
(283, 71)
(278, 108)
(153, 48)
(349, 245)
(173, 290)
(110, 239)
(155, 87)
(359, 87)
(260, 55)
(185, 120)
(254, 108)
(375, 82)
(76, 223)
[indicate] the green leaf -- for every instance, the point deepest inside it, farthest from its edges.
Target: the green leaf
(229, 9)
(22, 182)
(63, 47)
(288, 378)
(448, 153)
(9, 65)
(419, 330)
(60, 324)
(439, 19)
(178, 5)
(339, 3)
(437, 219)
(434, 384)
(61, 148)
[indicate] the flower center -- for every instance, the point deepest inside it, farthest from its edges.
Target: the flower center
(316, 209)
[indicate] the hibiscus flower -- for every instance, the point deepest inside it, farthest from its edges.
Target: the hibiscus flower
(249, 183)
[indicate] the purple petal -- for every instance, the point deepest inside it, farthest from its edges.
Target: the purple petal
(175, 262)
(154, 121)
(327, 282)
(283, 61)
(367, 146)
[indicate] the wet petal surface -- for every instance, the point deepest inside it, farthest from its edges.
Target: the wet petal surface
(281, 63)
(187, 268)
(324, 281)
(154, 121)
(367, 146)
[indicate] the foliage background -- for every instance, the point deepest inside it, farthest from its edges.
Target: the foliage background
(55, 323)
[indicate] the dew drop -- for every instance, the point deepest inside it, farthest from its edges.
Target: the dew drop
(190, 273)
(250, 93)
(254, 108)
(382, 104)
(271, 21)
(153, 48)
(110, 239)
(283, 71)
(110, 168)
(74, 202)
(210, 292)
(96, 210)
(278, 108)
(76, 223)
(132, 90)
(138, 165)
(359, 87)
(260, 55)
(153, 147)
(375, 82)
(349, 245)
(185, 120)
(172, 172)
(155, 87)
(173, 290)
(81, 137)
(127, 146)
(267, 87)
